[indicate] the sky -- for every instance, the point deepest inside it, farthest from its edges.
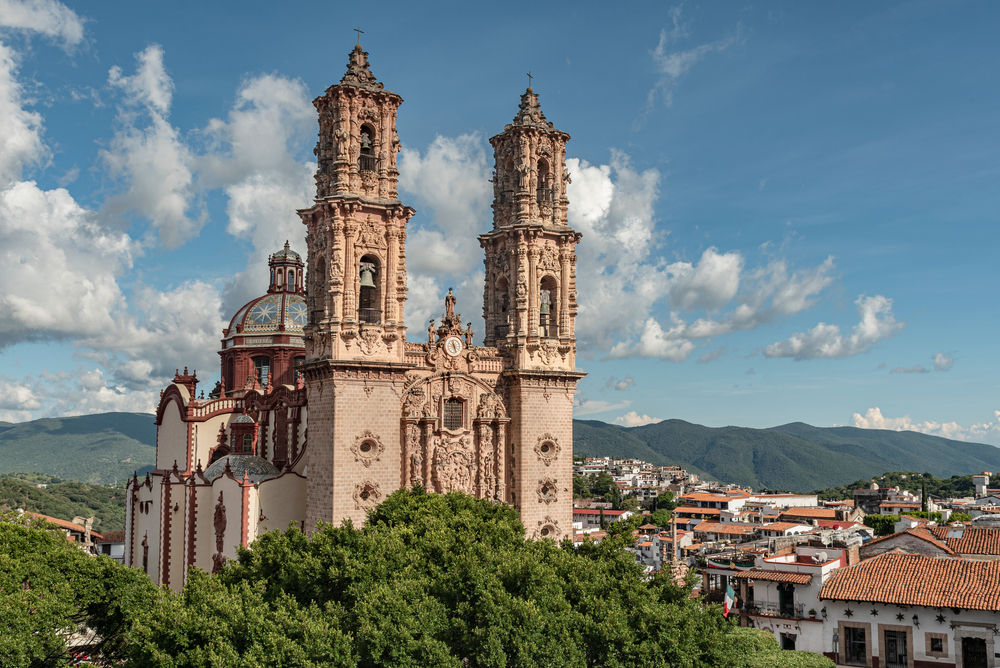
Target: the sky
(789, 211)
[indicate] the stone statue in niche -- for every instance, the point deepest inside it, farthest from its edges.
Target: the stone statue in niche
(449, 305)
(219, 522)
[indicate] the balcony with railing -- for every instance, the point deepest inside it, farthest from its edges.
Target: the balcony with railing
(548, 330)
(368, 163)
(370, 315)
(769, 609)
(545, 194)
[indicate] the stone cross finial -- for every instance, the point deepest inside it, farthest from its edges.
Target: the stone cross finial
(529, 78)
(360, 33)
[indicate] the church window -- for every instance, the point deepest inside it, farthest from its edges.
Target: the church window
(291, 279)
(453, 414)
(369, 302)
(547, 307)
(280, 277)
(262, 367)
(248, 444)
(367, 162)
(544, 193)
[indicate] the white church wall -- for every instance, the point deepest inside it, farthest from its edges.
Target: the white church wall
(283, 501)
(171, 437)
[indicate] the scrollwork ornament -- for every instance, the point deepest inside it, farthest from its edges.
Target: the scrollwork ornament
(548, 528)
(367, 448)
(547, 490)
(547, 448)
(367, 494)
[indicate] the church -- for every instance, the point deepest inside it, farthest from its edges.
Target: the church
(328, 403)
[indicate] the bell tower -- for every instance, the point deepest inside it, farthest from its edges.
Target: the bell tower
(356, 291)
(530, 307)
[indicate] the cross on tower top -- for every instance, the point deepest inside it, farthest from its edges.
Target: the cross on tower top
(529, 78)
(360, 33)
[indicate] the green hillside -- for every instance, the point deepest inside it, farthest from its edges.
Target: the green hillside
(97, 449)
(64, 499)
(794, 457)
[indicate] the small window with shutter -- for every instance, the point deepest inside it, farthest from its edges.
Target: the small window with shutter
(453, 414)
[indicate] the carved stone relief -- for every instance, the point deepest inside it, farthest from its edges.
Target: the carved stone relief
(367, 448)
(219, 522)
(370, 340)
(547, 448)
(548, 528)
(367, 494)
(455, 465)
(547, 490)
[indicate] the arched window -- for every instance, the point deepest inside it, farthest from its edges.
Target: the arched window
(548, 308)
(262, 367)
(544, 182)
(230, 374)
(248, 444)
(291, 279)
(507, 187)
(453, 414)
(367, 161)
(502, 308)
(369, 302)
(317, 297)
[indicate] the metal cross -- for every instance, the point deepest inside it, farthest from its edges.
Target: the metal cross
(529, 78)
(360, 33)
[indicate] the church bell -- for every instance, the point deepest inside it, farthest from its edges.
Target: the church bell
(366, 278)
(544, 309)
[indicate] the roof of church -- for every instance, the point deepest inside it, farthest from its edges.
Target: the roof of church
(256, 468)
(286, 254)
(267, 315)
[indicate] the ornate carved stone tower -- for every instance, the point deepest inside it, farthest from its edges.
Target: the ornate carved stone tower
(530, 310)
(356, 293)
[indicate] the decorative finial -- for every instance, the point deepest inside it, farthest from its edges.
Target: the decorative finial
(286, 244)
(360, 33)
(529, 79)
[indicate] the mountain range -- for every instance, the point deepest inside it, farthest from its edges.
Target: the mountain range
(794, 457)
(108, 447)
(97, 449)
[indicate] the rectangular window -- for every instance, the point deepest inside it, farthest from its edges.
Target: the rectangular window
(937, 645)
(453, 414)
(855, 648)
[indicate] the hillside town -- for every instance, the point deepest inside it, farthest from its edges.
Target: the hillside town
(920, 587)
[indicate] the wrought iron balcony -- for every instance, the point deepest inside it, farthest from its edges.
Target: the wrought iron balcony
(546, 194)
(368, 163)
(370, 315)
(774, 610)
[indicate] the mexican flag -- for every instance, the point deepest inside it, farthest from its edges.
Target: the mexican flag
(727, 603)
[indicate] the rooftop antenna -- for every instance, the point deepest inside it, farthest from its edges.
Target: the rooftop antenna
(360, 33)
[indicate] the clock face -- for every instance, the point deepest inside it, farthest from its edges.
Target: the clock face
(453, 345)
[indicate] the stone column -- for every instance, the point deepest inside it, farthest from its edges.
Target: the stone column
(564, 257)
(350, 311)
(533, 295)
(389, 278)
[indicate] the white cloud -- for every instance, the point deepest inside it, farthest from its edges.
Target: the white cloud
(633, 419)
(826, 341)
(942, 362)
(981, 432)
(451, 180)
(45, 17)
(673, 64)
(710, 284)
(620, 385)
(148, 154)
(713, 355)
(583, 406)
(913, 369)
(20, 130)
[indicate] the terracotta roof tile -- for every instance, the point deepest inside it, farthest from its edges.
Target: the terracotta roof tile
(818, 513)
(924, 533)
(917, 579)
(735, 528)
(781, 526)
(774, 576)
(974, 540)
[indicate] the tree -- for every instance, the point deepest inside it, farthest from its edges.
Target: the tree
(604, 522)
(50, 587)
(579, 486)
(631, 504)
(923, 496)
(661, 518)
(601, 484)
(435, 580)
(616, 498)
(882, 524)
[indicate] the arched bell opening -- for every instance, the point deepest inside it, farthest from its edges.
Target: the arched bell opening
(367, 160)
(370, 294)
(544, 192)
(317, 294)
(548, 301)
(507, 185)
(502, 308)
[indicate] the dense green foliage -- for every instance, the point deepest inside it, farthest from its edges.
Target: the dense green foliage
(759, 649)
(660, 518)
(100, 449)
(794, 457)
(957, 486)
(64, 499)
(49, 587)
(882, 524)
(439, 580)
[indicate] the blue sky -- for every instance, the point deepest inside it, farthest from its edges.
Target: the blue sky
(789, 210)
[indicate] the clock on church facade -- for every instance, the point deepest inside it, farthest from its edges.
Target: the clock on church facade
(328, 403)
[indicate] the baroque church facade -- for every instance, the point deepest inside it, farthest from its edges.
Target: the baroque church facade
(328, 403)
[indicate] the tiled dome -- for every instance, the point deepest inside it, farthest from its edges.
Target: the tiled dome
(256, 468)
(286, 254)
(266, 314)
